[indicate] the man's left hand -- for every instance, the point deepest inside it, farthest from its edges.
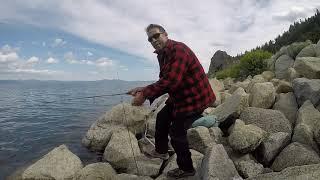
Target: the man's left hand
(138, 99)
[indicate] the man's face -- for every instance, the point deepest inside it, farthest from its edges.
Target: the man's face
(157, 39)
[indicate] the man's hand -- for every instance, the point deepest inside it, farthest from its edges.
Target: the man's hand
(134, 91)
(138, 99)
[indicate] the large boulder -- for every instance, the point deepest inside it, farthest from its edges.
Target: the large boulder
(121, 115)
(172, 164)
(124, 176)
(307, 120)
(60, 163)
(199, 139)
(97, 171)
(295, 154)
(306, 89)
(293, 49)
(233, 106)
(249, 168)
(308, 67)
(217, 165)
(308, 51)
(122, 150)
(283, 87)
(245, 138)
(281, 66)
(262, 95)
(287, 104)
(269, 120)
(310, 172)
(268, 75)
(272, 146)
(256, 79)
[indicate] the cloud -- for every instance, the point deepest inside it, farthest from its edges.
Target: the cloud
(89, 53)
(293, 14)
(51, 60)
(58, 42)
(104, 62)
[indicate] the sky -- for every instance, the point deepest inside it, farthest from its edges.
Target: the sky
(81, 40)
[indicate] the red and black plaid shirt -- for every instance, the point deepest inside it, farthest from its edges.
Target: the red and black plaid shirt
(183, 78)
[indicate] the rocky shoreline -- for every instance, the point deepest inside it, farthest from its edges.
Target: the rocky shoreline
(269, 129)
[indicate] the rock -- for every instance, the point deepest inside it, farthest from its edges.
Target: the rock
(199, 139)
(228, 82)
(284, 87)
(295, 154)
(218, 85)
(272, 146)
(124, 176)
(306, 89)
(233, 106)
(97, 171)
(219, 61)
(269, 120)
(249, 168)
(122, 150)
(292, 74)
(196, 158)
(224, 96)
(121, 115)
(317, 49)
(237, 156)
(145, 145)
(275, 82)
(282, 64)
(256, 79)
(60, 163)
(268, 75)
(308, 51)
(262, 95)
(145, 166)
(246, 138)
(308, 67)
(293, 49)
(270, 63)
(217, 165)
(216, 134)
(307, 120)
(287, 104)
(208, 111)
(310, 172)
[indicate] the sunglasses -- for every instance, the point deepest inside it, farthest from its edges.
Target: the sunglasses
(155, 36)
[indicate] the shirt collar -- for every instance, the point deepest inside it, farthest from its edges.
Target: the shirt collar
(165, 49)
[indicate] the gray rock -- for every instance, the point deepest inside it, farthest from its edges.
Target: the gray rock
(307, 120)
(268, 75)
(317, 49)
(122, 150)
(219, 86)
(228, 82)
(246, 138)
(284, 87)
(293, 49)
(287, 104)
(233, 106)
(295, 154)
(306, 89)
(249, 168)
(272, 146)
(124, 176)
(60, 163)
(309, 172)
(103, 171)
(121, 115)
(308, 67)
(217, 165)
(145, 166)
(199, 139)
(308, 51)
(217, 135)
(196, 158)
(282, 64)
(269, 120)
(237, 156)
(292, 74)
(256, 79)
(262, 95)
(224, 96)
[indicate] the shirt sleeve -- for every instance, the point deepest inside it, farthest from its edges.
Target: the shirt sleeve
(172, 75)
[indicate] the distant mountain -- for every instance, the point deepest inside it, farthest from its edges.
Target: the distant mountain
(219, 61)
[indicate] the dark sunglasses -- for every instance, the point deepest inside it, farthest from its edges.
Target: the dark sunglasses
(155, 36)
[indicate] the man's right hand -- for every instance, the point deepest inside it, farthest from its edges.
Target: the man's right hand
(134, 91)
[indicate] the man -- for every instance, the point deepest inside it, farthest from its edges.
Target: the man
(183, 78)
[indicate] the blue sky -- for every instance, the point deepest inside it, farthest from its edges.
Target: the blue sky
(96, 39)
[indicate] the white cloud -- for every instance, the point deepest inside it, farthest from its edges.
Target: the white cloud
(104, 62)
(33, 60)
(230, 25)
(52, 60)
(58, 42)
(89, 53)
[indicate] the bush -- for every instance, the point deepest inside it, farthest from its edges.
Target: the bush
(251, 63)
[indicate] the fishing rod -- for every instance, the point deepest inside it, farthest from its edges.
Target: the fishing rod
(97, 96)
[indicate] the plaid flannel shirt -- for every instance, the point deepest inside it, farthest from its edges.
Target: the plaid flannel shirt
(183, 78)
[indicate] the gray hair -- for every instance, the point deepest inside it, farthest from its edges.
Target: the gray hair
(151, 26)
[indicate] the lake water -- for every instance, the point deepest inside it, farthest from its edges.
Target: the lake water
(30, 127)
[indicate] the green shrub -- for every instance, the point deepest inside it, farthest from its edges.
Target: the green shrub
(251, 63)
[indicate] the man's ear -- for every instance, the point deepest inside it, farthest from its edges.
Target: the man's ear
(166, 34)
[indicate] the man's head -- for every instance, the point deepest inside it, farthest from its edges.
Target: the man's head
(157, 36)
